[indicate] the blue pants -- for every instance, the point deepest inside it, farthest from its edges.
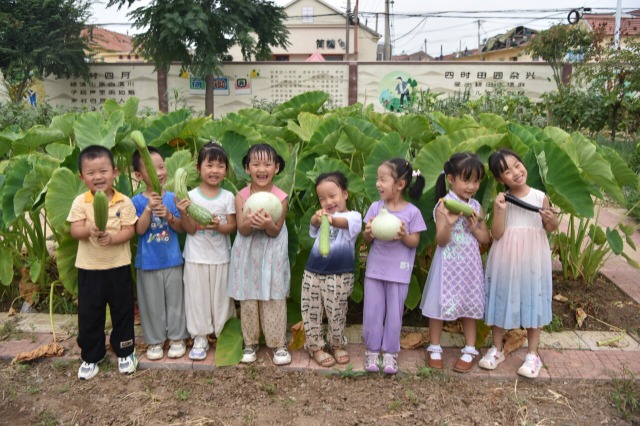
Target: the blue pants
(383, 309)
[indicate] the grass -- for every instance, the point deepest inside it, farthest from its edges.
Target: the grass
(183, 394)
(348, 373)
(625, 398)
(9, 330)
(555, 326)
(268, 388)
(46, 418)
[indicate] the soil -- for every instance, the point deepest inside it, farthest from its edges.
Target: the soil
(47, 392)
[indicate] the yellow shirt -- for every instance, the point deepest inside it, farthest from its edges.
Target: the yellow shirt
(121, 213)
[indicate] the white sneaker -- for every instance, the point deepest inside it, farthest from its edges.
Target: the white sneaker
(281, 356)
(390, 363)
(200, 348)
(177, 349)
(531, 367)
(88, 370)
(372, 361)
(249, 354)
(155, 352)
(128, 364)
(491, 359)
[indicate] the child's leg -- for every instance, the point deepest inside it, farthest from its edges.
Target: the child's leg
(336, 295)
(197, 294)
(220, 303)
(174, 293)
(395, 295)
(250, 321)
(497, 334)
(435, 331)
(120, 299)
(273, 317)
(91, 315)
(151, 302)
(373, 314)
(311, 309)
(533, 339)
(469, 327)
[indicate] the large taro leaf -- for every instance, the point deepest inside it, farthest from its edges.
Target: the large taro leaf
(593, 165)
(34, 183)
(236, 146)
(565, 187)
(492, 121)
(179, 159)
(522, 139)
(62, 189)
(303, 182)
(390, 146)
(129, 108)
(286, 179)
(59, 151)
(615, 241)
(414, 127)
(534, 178)
(166, 127)
(6, 266)
(229, 344)
(305, 102)
(414, 295)
(66, 260)
(304, 239)
(7, 137)
(326, 164)
(259, 116)
(92, 128)
(306, 125)
(15, 174)
(362, 135)
(324, 139)
(444, 124)
(39, 135)
(295, 293)
(430, 160)
(623, 174)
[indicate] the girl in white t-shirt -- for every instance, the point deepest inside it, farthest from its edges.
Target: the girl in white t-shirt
(207, 251)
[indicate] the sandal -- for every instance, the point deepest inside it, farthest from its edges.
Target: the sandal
(434, 357)
(323, 359)
(466, 360)
(341, 356)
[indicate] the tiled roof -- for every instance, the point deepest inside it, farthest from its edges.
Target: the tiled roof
(629, 25)
(106, 40)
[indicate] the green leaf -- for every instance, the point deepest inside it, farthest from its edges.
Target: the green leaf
(6, 266)
(34, 269)
(326, 164)
(64, 123)
(430, 161)
(492, 121)
(59, 151)
(444, 124)
(621, 170)
(308, 123)
(91, 128)
(177, 160)
(390, 146)
(236, 146)
(39, 135)
(62, 189)
(615, 241)
(305, 102)
(414, 295)
(12, 184)
(166, 128)
(229, 344)
(66, 260)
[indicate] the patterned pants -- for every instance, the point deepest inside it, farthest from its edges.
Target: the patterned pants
(331, 292)
(271, 315)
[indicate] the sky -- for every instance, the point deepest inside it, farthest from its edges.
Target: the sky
(442, 26)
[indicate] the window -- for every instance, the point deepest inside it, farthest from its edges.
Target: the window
(281, 58)
(307, 15)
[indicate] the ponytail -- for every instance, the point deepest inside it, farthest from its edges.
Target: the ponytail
(402, 170)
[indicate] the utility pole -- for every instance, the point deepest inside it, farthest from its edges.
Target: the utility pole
(425, 46)
(356, 24)
(387, 32)
(346, 50)
(616, 32)
(479, 22)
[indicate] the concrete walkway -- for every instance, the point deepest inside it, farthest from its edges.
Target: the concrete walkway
(565, 355)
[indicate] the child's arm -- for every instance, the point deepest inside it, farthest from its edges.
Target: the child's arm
(125, 233)
(367, 235)
(83, 229)
(144, 220)
(336, 222)
(444, 224)
(243, 223)
(478, 227)
(410, 240)
(226, 228)
(499, 212)
(186, 221)
(549, 217)
(262, 220)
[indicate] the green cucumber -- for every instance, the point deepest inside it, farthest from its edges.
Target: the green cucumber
(198, 213)
(457, 207)
(100, 210)
(324, 243)
(145, 156)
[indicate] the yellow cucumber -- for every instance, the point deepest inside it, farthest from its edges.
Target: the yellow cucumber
(457, 207)
(323, 244)
(198, 213)
(100, 210)
(145, 156)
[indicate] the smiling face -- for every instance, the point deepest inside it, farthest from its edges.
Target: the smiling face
(98, 174)
(388, 187)
(161, 170)
(262, 169)
(332, 198)
(212, 172)
(514, 175)
(464, 189)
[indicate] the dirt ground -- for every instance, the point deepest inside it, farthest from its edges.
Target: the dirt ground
(48, 393)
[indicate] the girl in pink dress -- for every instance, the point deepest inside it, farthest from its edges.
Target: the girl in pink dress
(455, 284)
(518, 271)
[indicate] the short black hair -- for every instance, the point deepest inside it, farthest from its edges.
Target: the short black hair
(263, 150)
(93, 152)
(136, 160)
(213, 151)
(336, 177)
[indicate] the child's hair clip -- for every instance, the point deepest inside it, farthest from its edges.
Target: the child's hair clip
(415, 173)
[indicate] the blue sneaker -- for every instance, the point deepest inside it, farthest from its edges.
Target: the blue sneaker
(128, 364)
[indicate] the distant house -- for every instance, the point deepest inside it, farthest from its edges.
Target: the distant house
(109, 46)
(317, 27)
(413, 57)
(629, 24)
(502, 47)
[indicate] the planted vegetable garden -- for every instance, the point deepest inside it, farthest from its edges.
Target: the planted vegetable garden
(39, 176)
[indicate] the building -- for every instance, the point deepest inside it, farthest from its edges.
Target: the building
(501, 48)
(109, 46)
(606, 23)
(317, 27)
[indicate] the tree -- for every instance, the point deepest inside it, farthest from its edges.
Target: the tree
(199, 33)
(559, 45)
(39, 38)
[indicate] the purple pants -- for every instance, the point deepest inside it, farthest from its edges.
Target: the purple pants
(382, 318)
